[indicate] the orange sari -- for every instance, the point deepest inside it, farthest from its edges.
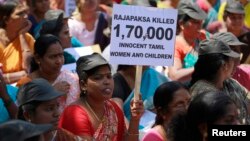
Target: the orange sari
(11, 56)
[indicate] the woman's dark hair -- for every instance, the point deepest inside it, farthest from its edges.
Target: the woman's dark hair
(182, 18)
(41, 46)
(29, 107)
(6, 9)
(207, 66)
(124, 67)
(163, 96)
(152, 3)
(211, 106)
(53, 26)
(207, 107)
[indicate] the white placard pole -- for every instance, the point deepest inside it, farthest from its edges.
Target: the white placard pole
(138, 82)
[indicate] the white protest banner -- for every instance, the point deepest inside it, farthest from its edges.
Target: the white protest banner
(70, 6)
(78, 52)
(143, 35)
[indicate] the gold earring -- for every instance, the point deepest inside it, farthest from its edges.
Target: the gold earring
(84, 91)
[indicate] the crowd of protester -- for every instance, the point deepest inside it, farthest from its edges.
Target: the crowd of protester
(39, 101)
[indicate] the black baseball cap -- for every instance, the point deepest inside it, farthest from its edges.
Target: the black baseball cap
(216, 46)
(37, 90)
(54, 14)
(18, 130)
(234, 6)
(89, 62)
(191, 9)
(52, 26)
(228, 38)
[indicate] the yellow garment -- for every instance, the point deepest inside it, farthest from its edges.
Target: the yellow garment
(161, 4)
(221, 11)
(11, 56)
(247, 14)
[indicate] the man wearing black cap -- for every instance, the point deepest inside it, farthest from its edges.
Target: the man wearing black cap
(189, 22)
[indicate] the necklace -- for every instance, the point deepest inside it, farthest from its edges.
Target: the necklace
(54, 136)
(92, 111)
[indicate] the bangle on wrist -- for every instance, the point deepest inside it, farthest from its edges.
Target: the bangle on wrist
(26, 50)
(8, 102)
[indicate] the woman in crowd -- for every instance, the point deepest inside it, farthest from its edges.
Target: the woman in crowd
(47, 63)
(94, 116)
(213, 70)
(239, 74)
(190, 34)
(88, 24)
(233, 18)
(170, 98)
(38, 104)
(38, 8)
(17, 47)
(57, 25)
(219, 64)
(204, 110)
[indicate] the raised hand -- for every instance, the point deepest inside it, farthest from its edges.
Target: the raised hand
(62, 86)
(26, 28)
(136, 108)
